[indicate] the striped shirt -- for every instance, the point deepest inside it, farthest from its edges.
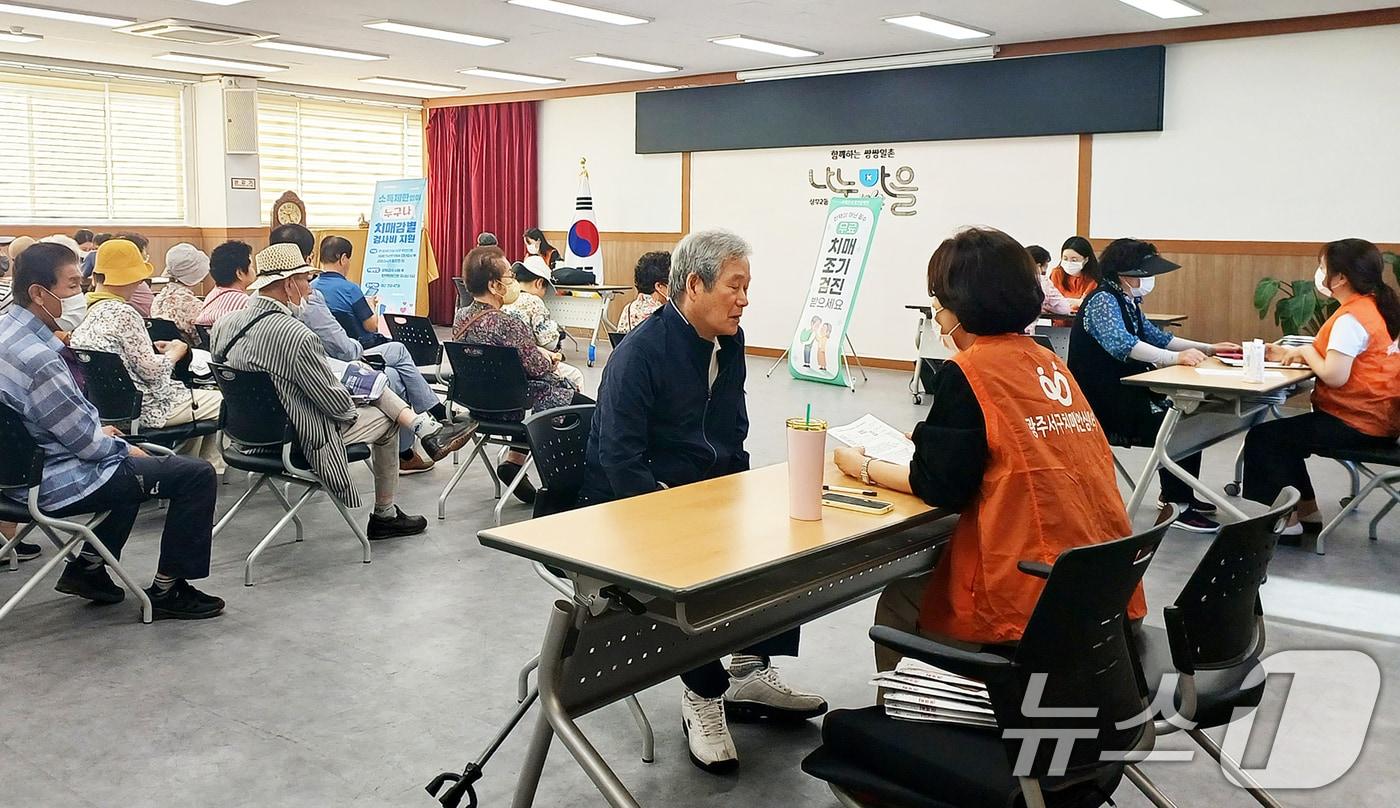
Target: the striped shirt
(35, 382)
(221, 301)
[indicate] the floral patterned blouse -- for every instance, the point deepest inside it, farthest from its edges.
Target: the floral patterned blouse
(178, 304)
(492, 326)
(532, 311)
(115, 327)
(635, 312)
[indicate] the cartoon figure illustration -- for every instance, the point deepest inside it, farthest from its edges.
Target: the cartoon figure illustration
(822, 339)
(807, 337)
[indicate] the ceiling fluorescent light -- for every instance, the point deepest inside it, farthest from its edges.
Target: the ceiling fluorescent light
(1166, 9)
(933, 25)
(394, 26)
(317, 50)
(408, 84)
(870, 65)
(212, 61)
(65, 16)
(764, 46)
(573, 10)
(625, 64)
(505, 75)
(18, 36)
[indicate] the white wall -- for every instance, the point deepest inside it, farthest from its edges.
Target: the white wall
(1026, 187)
(631, 192)
(1286, 138)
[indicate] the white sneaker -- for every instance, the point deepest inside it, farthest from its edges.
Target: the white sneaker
(760, 694)
(707, 732)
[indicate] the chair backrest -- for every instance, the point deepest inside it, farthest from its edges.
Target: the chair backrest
(1044, 342)
(109, 387)
(1218, 615)
(488, 380)
(24, 462)
(348, 324)
(159, 329)
(203, 332)
(615, 337)
(253, 415)
(558, 444)
(1076, 643)
(463, 296)
(418, 336)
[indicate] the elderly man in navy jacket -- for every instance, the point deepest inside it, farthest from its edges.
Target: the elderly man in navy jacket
(671, 412)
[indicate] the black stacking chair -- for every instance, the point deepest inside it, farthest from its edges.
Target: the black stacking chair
(1044, 342)
(463, 296)
(1360, 461)
(24, 468)
(118, 402)
(615, 338)
(1075, 655)
(1214, 636)
(261, 441)
(418, 336)
(159, 329)
(558, 442)
(490, 382)
(203, 332)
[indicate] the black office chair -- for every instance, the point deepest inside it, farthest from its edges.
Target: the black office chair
(159, 329)
(1214, 636)
(1075, 652)
(1360, 461)
(464, 298)
(118, 402)
(490, 382)
(615, 338)
(260, 440)
(203, 332)
(421, 340)
(24, 468)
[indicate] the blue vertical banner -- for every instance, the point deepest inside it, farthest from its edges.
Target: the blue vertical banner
(394, 245)
(815, 353)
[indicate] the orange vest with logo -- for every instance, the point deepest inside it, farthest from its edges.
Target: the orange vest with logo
(1370, 400)
(1048, 486)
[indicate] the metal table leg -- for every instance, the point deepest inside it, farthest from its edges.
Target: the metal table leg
(1158, 458)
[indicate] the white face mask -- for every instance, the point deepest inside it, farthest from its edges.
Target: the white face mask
(1072, 268)
(512, 292)
(1145, 287)
(532, 248)
(74, 310)
(1320, 281)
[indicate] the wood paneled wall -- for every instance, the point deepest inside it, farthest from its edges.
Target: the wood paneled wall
(1217, 292)
(161, 238)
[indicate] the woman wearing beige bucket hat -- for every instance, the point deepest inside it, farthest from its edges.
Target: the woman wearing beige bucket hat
(180, 301)
(114, 326)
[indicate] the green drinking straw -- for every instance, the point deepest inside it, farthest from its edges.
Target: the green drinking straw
(809, 415)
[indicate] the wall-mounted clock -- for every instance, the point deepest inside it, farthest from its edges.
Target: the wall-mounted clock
(288, 209)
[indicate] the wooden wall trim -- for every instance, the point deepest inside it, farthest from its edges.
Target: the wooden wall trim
(701, 80)
(1206, 33)
(1301, 248)
(1084, 199)
(685, 193)
(906, 365)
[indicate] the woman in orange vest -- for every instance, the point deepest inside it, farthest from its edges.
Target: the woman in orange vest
(1356, 403)
(1078, 272)
(1008, 433)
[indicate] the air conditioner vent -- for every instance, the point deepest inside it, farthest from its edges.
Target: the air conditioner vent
(189, 32)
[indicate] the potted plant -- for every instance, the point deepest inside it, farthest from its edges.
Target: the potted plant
(1300, 309)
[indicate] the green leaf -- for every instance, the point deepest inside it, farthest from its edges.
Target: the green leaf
(1264, 294)
(1394, 261)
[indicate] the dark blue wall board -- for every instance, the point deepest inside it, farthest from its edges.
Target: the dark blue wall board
(1071, 93)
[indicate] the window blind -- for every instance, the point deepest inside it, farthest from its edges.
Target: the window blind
(88, 152)
(331, 154)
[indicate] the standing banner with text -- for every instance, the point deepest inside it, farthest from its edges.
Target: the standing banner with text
(815, 353)
(392, 249)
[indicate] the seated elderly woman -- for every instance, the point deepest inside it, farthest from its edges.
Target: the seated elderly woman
(113, 324)
(1010, 443)
(180, 301)
(651, 277)
(492, 285)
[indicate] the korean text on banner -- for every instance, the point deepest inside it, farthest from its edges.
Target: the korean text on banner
(815, 353)
(395, 240)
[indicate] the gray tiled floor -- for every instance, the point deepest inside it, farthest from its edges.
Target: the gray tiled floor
(336, 683)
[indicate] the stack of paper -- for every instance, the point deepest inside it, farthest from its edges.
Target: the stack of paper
(917, 691)
(881, 441)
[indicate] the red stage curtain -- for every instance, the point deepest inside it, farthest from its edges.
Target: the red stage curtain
(482, 177)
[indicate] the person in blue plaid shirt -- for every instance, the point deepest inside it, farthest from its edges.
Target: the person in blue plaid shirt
(89, 468)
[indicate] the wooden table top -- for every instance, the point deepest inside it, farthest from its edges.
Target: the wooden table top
(592, 287)
(1217, 377)
(693, 537)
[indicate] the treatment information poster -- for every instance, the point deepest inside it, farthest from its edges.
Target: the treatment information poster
(390, 276)
(815, 353)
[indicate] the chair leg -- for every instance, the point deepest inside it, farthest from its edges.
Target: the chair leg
(228, 515)
(9, 548)
(34, 579)
(1355, 476)
(282, 498)
(1365, 491)
(354, 527)
(1381, 514)
(522, 685)
(1232, 769)
(1030, 791)
(1122, 471)
(456, 478)
(272, 534)
(643, 726)
(1148, 788)
(510, 489)
(87, 535)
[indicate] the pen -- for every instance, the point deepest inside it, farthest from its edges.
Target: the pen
(860, 492)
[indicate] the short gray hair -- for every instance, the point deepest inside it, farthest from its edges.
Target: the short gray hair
(703, 253)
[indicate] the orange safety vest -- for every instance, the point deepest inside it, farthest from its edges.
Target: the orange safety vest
(1370, 400)
(1048, 486)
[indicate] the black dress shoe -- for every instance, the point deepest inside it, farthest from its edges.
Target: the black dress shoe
(447, 440)
(24, 551)
(525, 492)
(93, 583)
(183, 602)
(392, 527)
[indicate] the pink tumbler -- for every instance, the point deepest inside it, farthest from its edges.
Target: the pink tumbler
(806, 467)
